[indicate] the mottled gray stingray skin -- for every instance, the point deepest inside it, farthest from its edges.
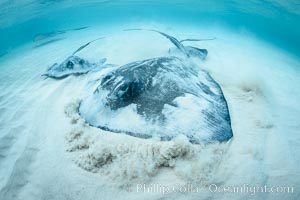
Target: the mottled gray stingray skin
(73, 65)
(163, 92)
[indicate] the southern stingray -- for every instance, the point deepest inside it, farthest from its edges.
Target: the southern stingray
(73, 65)
(161, 98)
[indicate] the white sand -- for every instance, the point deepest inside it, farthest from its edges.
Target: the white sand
(48, 152)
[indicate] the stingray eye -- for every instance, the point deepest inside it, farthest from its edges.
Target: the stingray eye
(130, 89)
(70, 65)
(106, 78)
(122, 90)
(81, 62)
(124, 87)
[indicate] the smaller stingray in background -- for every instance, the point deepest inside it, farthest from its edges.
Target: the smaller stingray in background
(73, 65)
(188, 51)
(42, 36)
(48, 42)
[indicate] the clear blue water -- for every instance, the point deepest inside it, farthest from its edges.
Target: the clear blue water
(254, 59)
(274, 21)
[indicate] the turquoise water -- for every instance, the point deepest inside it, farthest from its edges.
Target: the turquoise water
(274, 21)
(48, 148)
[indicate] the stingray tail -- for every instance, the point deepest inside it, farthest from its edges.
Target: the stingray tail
(85, 45)
(197, 40)
(174, 40)
(45, 76)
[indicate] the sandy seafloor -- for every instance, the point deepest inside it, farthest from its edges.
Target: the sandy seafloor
(47, 152)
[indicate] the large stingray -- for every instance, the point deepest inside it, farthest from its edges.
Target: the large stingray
(161, 98)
